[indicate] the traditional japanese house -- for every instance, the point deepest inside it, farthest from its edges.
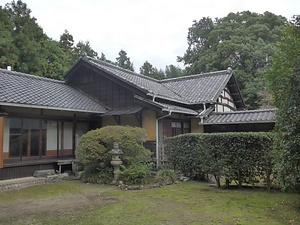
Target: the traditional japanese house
(41, 119)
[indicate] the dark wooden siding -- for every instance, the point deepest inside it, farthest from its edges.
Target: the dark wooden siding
(101, 88)
(23, 171)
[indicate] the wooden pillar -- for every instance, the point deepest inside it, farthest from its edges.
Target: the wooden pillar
(40, 138)
(1, 140)
(74, 135)
(57, 138)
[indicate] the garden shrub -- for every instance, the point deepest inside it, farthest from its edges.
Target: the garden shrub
(94, 146)
(239, 157)
(94, 173)
(166, 176)
(137, 173)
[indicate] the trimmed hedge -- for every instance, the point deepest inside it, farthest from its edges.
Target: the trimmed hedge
(239, 157)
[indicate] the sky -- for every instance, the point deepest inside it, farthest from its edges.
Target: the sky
(152, 30)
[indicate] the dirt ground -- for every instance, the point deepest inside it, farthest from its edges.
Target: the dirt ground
(18, 211)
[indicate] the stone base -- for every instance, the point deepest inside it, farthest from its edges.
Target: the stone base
(43, 173)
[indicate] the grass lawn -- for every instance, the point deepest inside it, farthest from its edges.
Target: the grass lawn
(72, 202)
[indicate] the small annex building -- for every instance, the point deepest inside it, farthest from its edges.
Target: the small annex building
(41, 119)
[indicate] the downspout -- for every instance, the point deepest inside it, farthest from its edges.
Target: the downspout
(204, 109)
(157, 119)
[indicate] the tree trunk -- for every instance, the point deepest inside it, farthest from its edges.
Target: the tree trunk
(227, 183)
(269, 179)
(217, 181)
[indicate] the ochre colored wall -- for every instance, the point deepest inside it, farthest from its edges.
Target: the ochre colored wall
(195, 127)
(149, 120)
(108, 120)
(1, 140)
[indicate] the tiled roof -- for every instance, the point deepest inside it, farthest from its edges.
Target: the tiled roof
(26, 90)
(168, 107)
(147, 84)
(178, 109)
(125, 111)
(194, 89)
(201, 88)
(248, 116)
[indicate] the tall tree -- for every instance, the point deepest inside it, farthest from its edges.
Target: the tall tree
(243, 41)
(66, 43)
(103, 58)
(149, 70)
(8, 51)
(85, 48)
(172, 71)
(25, 46)
(27, 37)
(124, 61)
(284, 82)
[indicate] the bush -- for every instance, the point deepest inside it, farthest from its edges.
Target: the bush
(94, 146)
(166, 176)
(93, 173)
(239, 157)
(137, 173)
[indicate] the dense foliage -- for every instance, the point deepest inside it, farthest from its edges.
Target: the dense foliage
(94, 146)
(137, 173)
(25, 47)
(284, 82)
(95, 173)
(171, 71)
(239, 157)
(243, 41)
(124, 61)
(166, 176)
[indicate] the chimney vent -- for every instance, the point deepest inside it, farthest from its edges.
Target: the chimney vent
(9, 68)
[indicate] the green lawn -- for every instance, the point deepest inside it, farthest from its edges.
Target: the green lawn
(71, 202)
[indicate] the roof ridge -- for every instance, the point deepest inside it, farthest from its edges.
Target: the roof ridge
(122, 69)
(16, 73)
(246, 111)
(193, 76)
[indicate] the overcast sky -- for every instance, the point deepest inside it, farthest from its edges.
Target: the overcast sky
(153, 30)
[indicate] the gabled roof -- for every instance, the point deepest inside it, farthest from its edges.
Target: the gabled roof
(146, 84)
(238, 117)
(200, 88)
(24, 90)
(188, 90)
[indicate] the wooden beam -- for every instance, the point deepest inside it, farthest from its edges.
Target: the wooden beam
(40, 138)
(57, 138)
(138, 116)
(1, 140)
(74, 134)
(118, 119)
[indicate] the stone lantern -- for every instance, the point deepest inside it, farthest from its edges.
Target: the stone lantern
(116, 161)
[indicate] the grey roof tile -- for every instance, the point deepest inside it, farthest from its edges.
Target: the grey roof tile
(247, 116)
(125, 111)
(201, 88)
(178, 109)
(145, 83)
(168, 107)
(39, 92)
(194, 89)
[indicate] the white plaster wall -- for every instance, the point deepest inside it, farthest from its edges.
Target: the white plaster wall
(68, 127)
(51, 135)
(6, 135)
